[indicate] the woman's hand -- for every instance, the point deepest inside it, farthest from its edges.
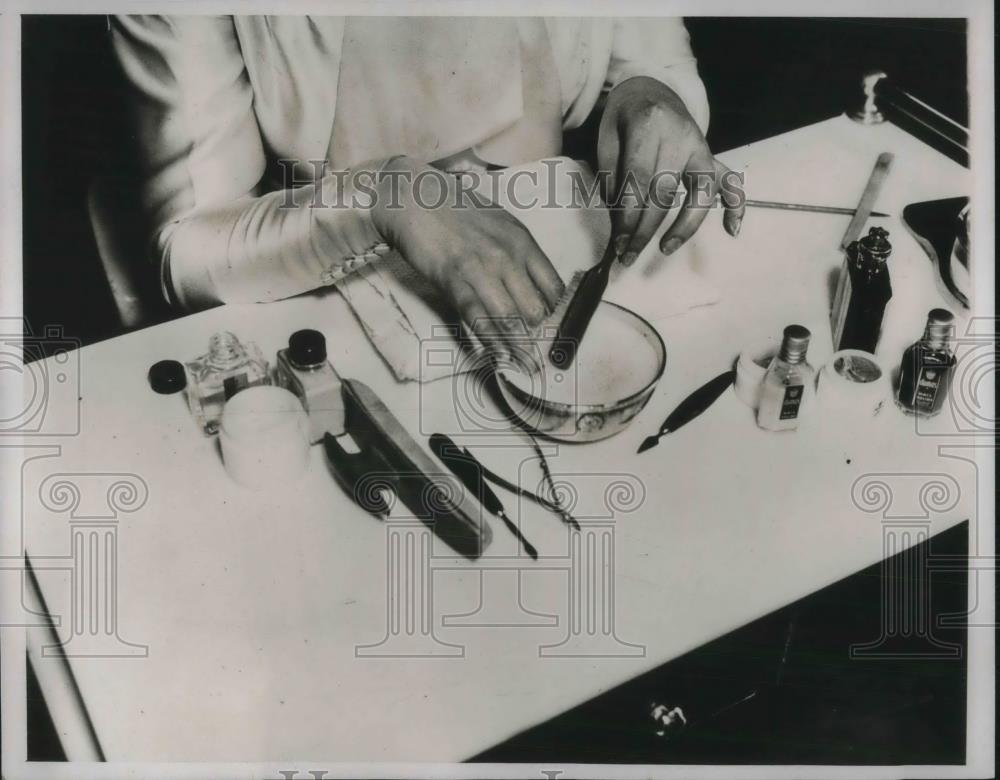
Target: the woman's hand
(481, 257)
(650, 143)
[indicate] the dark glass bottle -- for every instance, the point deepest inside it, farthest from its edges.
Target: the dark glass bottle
(863, 291)
(927, 367)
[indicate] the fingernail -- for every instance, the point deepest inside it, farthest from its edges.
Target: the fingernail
(621, 243)
(736, 227)
(671, 246)
(628, 258)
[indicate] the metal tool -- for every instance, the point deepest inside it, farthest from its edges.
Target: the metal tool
(690, 407)
(547, 475)
(773, 204)
(464, 465)
(584, 293)
(390, 458)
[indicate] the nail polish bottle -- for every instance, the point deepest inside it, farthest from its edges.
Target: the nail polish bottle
(863, 291)
(927, 367)
(788, 387)
(219, 374)
(304, 369)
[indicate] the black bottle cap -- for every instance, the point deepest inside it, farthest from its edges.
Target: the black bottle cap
(307, 348)
(167, 376)
(876, 244)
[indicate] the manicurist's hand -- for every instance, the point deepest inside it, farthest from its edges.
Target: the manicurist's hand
(482, 258)
(650, 143)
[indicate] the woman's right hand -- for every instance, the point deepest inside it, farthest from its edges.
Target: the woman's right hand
(480, 256)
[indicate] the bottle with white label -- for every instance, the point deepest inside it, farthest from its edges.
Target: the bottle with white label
(304, 369)
(925, 373)
(788, 386)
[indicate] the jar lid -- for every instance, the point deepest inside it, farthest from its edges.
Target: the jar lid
(307, 347)
(167, 377)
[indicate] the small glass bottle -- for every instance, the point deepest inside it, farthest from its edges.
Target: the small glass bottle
(927, 367)
(786, 391)
(304, 369)
(219, 374)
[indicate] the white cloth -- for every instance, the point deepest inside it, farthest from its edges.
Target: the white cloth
(220, 100)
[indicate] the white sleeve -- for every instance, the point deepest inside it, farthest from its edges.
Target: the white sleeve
(214, 235)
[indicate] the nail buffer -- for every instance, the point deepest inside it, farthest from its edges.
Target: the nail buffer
(584, 293)
(390, 457)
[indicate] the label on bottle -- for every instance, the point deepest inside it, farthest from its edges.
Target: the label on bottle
(231, 385)
(927, 388)
(790, 402)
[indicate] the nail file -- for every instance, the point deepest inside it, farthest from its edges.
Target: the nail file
(868, 198)
(584, 293)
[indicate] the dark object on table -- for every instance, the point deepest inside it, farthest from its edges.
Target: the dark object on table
(884, 99)
(941, 228)
(927, 366)
(584, 292)
(167, 377)
(863, 295)
(350, 470)
(464, 465)
(691, 407)
(390, 458)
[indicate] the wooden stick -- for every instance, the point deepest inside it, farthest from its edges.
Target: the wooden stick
(872, 189)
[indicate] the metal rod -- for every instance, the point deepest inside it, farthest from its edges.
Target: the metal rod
(772, 204)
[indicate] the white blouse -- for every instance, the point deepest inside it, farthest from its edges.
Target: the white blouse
(220, 99)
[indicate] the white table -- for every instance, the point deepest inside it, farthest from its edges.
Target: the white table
(239, 614)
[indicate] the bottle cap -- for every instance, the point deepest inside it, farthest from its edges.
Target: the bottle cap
(167, 376)
(794, 343)
(940, 324)
(876, 244)
(307, 348)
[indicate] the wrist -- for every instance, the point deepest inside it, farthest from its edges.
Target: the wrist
(393, 181)
(647, 90)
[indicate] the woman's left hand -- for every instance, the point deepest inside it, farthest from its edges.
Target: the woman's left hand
(650, 143)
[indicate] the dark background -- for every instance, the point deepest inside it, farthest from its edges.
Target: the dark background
(764, 76)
